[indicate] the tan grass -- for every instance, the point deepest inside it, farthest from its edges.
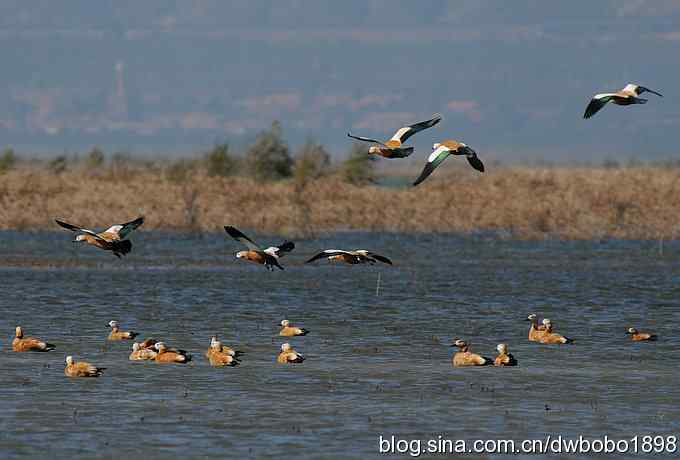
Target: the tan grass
(569, 203)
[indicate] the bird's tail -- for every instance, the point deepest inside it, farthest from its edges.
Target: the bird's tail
(286, 246)
(124, 247)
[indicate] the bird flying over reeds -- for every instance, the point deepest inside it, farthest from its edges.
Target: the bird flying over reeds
(441, 152)
(393, 148)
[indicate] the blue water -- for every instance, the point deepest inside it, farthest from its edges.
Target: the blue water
(378, 355)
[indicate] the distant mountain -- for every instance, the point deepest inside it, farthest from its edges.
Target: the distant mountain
(510, 78)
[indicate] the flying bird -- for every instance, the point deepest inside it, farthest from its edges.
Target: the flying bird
(626, 96)
(358, 256)
(268, 257)
(442, 150)
(112, 239)
(393, 148)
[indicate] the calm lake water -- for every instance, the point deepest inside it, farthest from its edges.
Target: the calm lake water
(378, 356)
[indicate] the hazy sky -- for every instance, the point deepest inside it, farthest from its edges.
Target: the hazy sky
(512, 78)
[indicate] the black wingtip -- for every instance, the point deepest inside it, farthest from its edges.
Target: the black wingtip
(286, 246)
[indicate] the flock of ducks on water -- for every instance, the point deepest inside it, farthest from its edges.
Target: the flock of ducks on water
(541, 333)
(219, 355)
(114, 239)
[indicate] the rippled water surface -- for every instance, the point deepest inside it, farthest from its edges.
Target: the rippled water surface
(378, 356)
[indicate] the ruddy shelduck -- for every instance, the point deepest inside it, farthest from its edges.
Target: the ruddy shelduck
(169, 356)
(112, 239)
(535, 331)
(288, 355)
(219, 358)
(81, 369)
(291, 331)
(504, 358)
(394, 148)
(268, 257)
(117, 334)
(358, 256)
(21, 343)
(222, 348)
(140, 353)
(627, 96)
(550, 337)
(441, 152)
(637, 336)
(148, 343)
(464, 357)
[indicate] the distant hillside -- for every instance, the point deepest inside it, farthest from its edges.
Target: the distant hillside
(145, 76)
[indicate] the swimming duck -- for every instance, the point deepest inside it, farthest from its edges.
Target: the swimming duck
(222, 348)
(291, 331)
(117, 334)
(81, 369)
(637, 336)
(169, 356)
(504, 358)
(535, 331)
(111, 239)
(21, 343)
(268, 257)
(626, 96)
(288, 355)
(441, 152)
(219, 358)
(148, 343)
(141, 354)
(550, 337)
(464, 357)
(393, 148)
(358, 256)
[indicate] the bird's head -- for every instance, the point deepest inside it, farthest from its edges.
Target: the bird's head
(285, 323)
(241, 254)
(373, 150)
(285, 347)
(631, 330)
(502, 348)
(79, 239)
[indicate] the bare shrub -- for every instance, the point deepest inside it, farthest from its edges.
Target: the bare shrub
(268, 159)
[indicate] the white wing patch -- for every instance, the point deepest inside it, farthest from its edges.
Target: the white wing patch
(397, 136)
(433, 156)
(114, 229)
(631, 87)
(603, 95)
(272, 251)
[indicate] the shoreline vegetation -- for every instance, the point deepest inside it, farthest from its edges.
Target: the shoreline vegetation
(304, 195)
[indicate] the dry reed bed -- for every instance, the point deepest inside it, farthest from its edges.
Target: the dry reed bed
(635, 203)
